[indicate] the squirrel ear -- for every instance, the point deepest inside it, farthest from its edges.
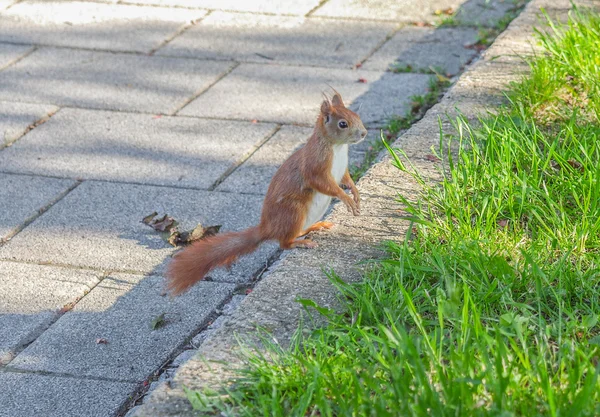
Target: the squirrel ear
(325, 108)
(336, 100)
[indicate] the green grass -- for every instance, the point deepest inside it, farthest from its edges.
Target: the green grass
(491, 305)
(419, 105)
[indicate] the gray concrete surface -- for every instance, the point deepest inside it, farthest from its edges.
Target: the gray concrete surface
(280, 40)
(291, 98)
(55, 396)
(141, 148)
(93, 25)
(283, 7)
(98, 225)
(110, 110)
(16, 118)
(22, 196)
(445, 50)
(32, 299)
(11, 53)
(121, 310)
(103, 80)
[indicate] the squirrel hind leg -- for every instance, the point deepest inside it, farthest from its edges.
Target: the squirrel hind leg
(317, 226)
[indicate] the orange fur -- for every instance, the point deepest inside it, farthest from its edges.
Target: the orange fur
(305, 172)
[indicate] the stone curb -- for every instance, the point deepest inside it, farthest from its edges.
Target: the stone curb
(301, 273)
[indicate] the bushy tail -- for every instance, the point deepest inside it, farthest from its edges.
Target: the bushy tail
(194, 262)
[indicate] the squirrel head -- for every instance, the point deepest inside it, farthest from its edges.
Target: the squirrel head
(338, 123)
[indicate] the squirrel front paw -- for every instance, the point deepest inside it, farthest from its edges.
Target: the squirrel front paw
(352, 205)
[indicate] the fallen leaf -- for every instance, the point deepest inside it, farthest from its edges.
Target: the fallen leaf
(362, 80)
(157, 116)
(254, 121)
(248, 291)
(178, 238)
(102, 341)
(358, 65)
(442, 79)
(160, 224)
(503, 222)
(158, 321)
(422, 24)
(149, 217)
(432, 158)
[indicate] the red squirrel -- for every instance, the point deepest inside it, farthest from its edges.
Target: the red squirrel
(298, 197)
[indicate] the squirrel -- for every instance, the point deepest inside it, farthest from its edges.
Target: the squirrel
(297, 198)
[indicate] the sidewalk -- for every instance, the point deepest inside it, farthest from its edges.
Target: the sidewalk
(109, 112)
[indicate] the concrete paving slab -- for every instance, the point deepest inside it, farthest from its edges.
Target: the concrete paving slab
(27, 395)
(285, 7)
(17, 118)
(415, 49)
(177, 151)
(121, 310)
(98, 225)
(31, 297)
(105, 80)
(21, 196)
(11, 53)
(280, 39)
(483, 12)
(255, 174)
(394, 10)
(291, 94)
(93, 25)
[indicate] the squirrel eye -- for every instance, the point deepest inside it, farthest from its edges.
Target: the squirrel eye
(342, 124)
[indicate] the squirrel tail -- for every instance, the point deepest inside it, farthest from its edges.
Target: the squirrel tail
(194, 262)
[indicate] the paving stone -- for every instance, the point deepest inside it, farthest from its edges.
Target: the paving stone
(27, 395)
(396, 10)
(31, 297)
(414, 49)
(483, 12)
(291, 94)
(98, 225)
(279, 39)
(93, 25)
(121, 310)
(104, 80)
(21, 196)
(254, 176)
(10, 53)
(177, 151)
(16, 118)
(286, 7)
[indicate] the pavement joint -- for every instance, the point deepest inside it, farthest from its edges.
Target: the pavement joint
(29, 128)
(205, 89)
(181, 30)
(244, 158)
(37, 214)
(314, 9)
(177, 187)
(9, 369)
(389, 36)
(16, 60)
